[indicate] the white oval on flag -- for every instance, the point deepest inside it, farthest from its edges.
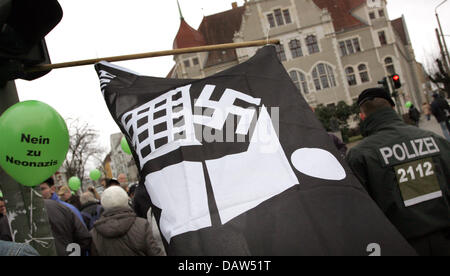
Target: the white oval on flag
(318, 163)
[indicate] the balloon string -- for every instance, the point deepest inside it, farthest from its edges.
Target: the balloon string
(40, 241)
(31, 212)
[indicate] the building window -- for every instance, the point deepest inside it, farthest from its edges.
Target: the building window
(280, 52)
(351, 78)
(271, 20)
(356, 45)
(287, 16)
(389, 63)
(323, 76)
(372, 15)
(311, 43)
(382, 37)
(343, 48)
(299, 80)
(195, 61)
(364, 75)
(349, 46)
(381, 13)
(187, 63)
(279, 17)
(296, 48)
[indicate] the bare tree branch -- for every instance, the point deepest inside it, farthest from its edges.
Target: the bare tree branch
(83, 147)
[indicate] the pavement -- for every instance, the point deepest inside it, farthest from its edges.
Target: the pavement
(431, 125)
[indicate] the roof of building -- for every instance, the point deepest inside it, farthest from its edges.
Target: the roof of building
(220, 28)
(341, 12)
(188, 37)
(400, 29)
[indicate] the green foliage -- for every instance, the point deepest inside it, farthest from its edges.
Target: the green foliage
(334, 118)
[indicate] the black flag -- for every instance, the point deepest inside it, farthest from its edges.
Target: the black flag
(238, 164)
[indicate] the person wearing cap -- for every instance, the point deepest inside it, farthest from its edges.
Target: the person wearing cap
(406, 171)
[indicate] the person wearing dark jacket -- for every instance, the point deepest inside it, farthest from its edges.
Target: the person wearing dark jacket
(5, 232)
(406, 170)
(441, 110)
(339, 144)
(414, 115)
(66, 228)
(90, 209)
(119, 232)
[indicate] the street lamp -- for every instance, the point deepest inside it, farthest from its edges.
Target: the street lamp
(442, 34)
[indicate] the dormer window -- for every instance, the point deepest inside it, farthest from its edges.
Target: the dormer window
(279, 17)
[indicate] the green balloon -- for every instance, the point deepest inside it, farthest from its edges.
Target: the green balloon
(125, 146)
(34, 142)
(95, 174)
(74, 183)
(408, 104)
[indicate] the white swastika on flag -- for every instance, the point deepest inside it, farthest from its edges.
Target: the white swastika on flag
(223, 107)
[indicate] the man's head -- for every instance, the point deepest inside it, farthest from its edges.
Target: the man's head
(122, 178)
(2, 207)
(47, 188)
(64, 193)
(373, 99)
(114, 197)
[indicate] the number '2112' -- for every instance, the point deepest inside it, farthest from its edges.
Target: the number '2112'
(427, 167)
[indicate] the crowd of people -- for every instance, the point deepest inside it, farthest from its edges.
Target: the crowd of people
(102, 225)
(405, 170)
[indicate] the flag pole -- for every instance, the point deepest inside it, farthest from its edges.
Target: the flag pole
(46, 67)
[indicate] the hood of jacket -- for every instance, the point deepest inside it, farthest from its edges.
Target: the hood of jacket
(381, 119)
(115, 222)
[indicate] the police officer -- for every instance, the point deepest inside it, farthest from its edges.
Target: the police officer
(406, 170)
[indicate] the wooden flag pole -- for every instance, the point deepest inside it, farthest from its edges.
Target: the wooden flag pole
(46, 67)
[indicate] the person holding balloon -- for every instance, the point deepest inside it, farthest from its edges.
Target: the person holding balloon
(413, 113)
(94, 175)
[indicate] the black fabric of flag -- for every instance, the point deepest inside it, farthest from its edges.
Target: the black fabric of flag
(238, 164)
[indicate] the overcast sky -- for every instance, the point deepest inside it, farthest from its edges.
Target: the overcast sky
(103, 28)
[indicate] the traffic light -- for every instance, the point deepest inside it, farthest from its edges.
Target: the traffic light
(384, 83)
(396, 81)
(23, 26)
